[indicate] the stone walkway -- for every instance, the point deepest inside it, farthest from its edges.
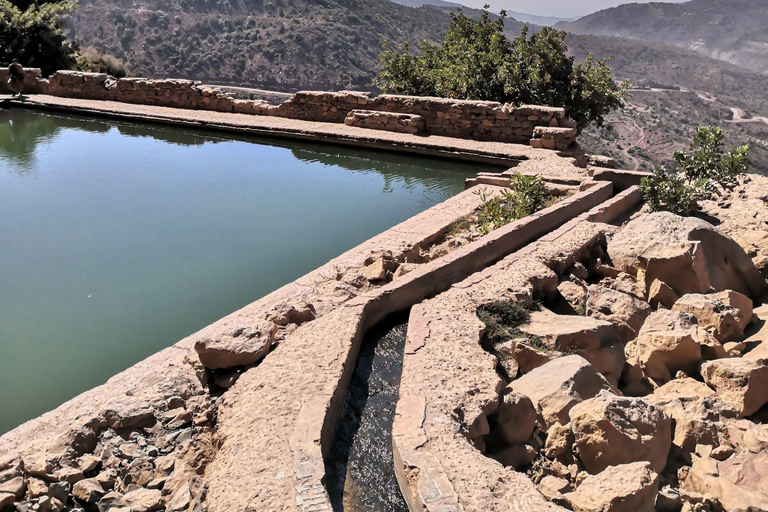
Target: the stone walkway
(496, 153)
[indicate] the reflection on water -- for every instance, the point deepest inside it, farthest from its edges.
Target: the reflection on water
(360, 467)
(118, 239)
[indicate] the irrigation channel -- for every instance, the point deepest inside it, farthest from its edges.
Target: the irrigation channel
(361, 471)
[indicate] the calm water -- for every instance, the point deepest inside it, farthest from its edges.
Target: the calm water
(116, 239)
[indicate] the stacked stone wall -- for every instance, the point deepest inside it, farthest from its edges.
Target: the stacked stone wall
(481, 120)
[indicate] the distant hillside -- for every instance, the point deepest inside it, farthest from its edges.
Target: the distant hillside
(674, 91)
(436, 3)
(735, 31)
(267, 43)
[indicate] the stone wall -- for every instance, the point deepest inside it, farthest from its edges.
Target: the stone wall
(481, 120)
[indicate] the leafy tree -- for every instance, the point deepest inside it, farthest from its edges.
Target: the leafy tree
(32, 32)
(477, 61)
(702, 174)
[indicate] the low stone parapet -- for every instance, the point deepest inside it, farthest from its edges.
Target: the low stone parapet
(550, 137)
(469, 119)
(390, 121)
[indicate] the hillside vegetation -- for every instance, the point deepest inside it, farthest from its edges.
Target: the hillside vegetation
(287, 45)
(730, 30)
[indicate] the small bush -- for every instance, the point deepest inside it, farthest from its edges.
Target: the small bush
(502, 317)
(702, 174)
(526, 195)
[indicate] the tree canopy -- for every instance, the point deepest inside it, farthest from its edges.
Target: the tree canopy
(477, 61)
(31, 31)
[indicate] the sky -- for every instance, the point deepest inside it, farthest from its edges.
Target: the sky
(560, 8)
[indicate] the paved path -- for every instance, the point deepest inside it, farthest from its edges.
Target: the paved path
(500, 153)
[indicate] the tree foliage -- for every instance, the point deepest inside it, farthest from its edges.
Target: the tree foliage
(477, 61)
(31, 31)
(703, 173)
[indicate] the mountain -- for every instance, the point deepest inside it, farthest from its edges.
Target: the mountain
(729, 30)
(435, 3)
(287, 45)
(673, 91)
(533, 19)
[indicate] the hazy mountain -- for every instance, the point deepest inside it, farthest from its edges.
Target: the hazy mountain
(436, 3)
(544, 21)
(730, 30)
(334, 44)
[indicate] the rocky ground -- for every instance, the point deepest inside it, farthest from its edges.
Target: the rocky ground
(641, 382)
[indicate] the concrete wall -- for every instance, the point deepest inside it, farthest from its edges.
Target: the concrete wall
(481, 120)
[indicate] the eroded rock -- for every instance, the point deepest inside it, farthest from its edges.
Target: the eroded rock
(241, 346)
(741, 382)
(686, 253)
(738, 482)
(559, 385)
(515, 417)
(626, 488)
(625, 312)
(667, 343)
(610, 430)
(723, 321)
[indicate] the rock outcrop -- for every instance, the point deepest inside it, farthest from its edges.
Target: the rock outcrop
(625, 488)
(687, 254)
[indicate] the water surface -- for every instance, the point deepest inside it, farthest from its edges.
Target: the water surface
(119, 239)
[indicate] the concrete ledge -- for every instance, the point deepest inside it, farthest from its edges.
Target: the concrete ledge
(621, 179)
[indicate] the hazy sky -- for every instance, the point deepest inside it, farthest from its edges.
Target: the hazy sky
(561, 8)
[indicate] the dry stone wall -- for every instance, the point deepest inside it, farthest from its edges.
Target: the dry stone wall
(481, 120)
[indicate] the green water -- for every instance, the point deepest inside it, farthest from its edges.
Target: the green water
(117, 239)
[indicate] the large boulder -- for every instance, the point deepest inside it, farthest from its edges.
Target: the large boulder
(739, 482)
(700, 420)
(625, 488)
(724, 322)
(593, 339)
(625, 312)
(740, 382)
(559, 385)
(667, 343)
(688, 254)
(610, 430)
(239, 346)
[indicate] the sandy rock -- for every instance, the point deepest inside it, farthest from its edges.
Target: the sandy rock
(574, 293)
(180, 500)
(88, 490)
(15, 486)
(595, 340)
(49, 504)
(129, 412)
(240, 346)
(377, 270)
(88, 463)
(559, 441)
(285, 314)
(610, 430)
(36, 488)
(529, 358)
(699, 420)
(143, 500)
(515, 417)
(686, 253)
(553, 487)
(741, 302)
(624, 311)
(6, 500)
(740, 382)
(559, 385)
(667, 343)
(660, 294)
(506, 353)
(738, 482)
(685, 387)
(625, 488)
(722, 320)
(139, 472)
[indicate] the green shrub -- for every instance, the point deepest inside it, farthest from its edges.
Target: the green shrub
(32, 32)
(476, 61)
(526, 195)
(703, 173)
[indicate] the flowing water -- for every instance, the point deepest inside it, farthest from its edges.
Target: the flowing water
(360, 467)
(119, 239)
